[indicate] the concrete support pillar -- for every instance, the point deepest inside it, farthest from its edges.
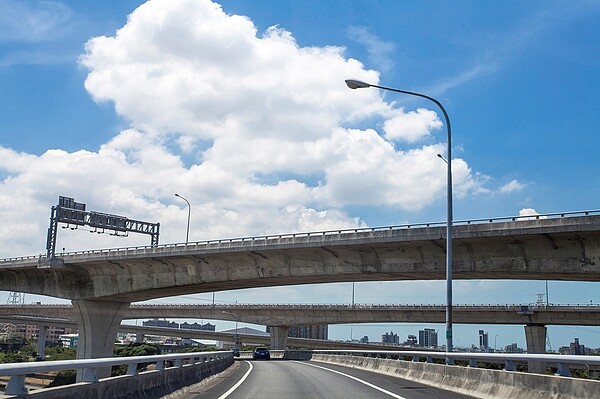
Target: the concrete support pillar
(279, 337)
(535, 337)
(41, 342)
(139, 338)
(98, 323)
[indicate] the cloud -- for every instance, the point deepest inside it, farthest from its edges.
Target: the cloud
(379, 51)
(513, 185)
(411, 126)
(525, 212)
(32, 21)
(266, 128)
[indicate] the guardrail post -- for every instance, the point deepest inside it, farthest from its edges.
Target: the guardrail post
(132, 369)
(178, 362)
(429, 359)
(473, 363)
(16, 385)
(415, 358)
(563, 370)
(509, 365)
(89, 375)
(160, 365)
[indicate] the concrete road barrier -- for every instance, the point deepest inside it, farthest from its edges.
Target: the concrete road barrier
(480, 383)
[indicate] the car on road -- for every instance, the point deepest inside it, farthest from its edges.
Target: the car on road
(261, 353)
(236, 352)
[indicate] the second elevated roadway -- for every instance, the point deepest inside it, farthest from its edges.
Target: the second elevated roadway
(296, 315)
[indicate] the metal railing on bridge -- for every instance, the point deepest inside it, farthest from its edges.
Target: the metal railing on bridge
(254, 239)
(18, 371)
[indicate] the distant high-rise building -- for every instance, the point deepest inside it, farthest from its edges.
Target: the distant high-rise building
(316, 331)
(428, 337)
(364, 340)
(483, 340)
(574, 348)
(513, 348)
(390, 338)
(412, 340)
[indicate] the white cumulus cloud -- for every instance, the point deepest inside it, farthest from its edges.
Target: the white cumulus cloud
(253, 129)
(513, 185)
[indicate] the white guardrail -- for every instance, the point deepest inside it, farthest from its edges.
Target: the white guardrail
(563, 363)
(18, 371)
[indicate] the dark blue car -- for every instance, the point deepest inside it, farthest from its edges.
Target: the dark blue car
(261, 353)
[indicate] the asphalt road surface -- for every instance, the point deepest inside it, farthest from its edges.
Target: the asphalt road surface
(276, 379)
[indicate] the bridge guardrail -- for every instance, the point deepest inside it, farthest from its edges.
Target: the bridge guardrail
(318, 233)
(18, 371)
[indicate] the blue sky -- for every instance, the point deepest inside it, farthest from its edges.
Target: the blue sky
(242, 109)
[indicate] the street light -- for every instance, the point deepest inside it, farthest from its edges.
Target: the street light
(357, 84)
(187, 231)
(236, 326)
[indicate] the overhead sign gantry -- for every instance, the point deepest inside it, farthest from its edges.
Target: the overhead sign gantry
(74, 214)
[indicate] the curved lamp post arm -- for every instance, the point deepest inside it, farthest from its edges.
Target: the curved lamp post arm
(187, 231)
(357, 84)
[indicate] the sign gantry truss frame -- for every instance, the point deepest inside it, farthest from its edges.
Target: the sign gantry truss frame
(74, 214)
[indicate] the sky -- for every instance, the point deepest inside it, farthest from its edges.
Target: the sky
(241, 108)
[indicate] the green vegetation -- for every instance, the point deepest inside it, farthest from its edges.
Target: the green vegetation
(136, 349)
(192, 349)
(60, 353)
(64, 377)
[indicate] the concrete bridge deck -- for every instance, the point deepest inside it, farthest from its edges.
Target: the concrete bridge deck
(297, 315)
(558, 248)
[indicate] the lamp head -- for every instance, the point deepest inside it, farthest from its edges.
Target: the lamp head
(356, 84)
(440, 156)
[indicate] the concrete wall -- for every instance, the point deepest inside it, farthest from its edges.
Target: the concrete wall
(150, 384)
(480, 383)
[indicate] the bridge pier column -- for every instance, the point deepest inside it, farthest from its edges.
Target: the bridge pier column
(279, 337)
(139, 338)
(98, 323)
(535, 337)
(41, 342)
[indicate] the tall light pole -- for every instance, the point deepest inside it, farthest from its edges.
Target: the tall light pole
(187, 231)
(236, 326)
(357, 84)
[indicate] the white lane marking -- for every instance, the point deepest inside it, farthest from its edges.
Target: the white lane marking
(393, 395)
(233, 388)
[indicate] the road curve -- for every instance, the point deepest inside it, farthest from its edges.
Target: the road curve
(278, 379)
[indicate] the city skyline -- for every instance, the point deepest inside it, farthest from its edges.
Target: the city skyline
(241, 108)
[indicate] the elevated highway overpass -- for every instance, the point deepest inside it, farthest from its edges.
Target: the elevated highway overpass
(305, 343)
(299, 315)
(548, 248)
(102, 283)
(279, 318)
